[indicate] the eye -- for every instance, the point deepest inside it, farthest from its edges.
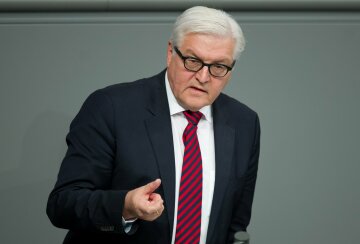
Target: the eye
(218, 67)
(193, 62)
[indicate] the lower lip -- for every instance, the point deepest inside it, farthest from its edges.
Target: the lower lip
(198, 91)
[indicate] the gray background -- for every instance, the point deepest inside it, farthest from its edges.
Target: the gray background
(300, 72)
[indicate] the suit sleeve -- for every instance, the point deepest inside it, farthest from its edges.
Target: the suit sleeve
(244, 196)
(82, 198)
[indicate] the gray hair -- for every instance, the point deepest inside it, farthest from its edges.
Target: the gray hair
(204, 20)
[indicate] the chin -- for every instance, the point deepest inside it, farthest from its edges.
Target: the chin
(194, 104)
(196, 107)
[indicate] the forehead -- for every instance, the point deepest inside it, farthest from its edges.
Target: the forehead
(208, 47)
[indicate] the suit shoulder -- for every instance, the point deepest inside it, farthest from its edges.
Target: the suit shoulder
(234, 107)
(238, 115)
(131, 91)
(129, 88)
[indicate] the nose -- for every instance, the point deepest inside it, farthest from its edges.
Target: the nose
(203, 75)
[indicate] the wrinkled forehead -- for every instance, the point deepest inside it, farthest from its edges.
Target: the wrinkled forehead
(208, 46)
(208, 41)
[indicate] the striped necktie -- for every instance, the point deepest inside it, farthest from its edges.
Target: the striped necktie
(188, 223)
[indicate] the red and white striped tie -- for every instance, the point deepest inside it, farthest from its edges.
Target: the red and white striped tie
(188, 224)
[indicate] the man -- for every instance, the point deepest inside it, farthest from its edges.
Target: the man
(167, 159)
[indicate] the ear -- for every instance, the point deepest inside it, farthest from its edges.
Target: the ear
(169, 53)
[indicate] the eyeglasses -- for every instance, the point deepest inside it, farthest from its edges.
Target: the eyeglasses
(195, 64)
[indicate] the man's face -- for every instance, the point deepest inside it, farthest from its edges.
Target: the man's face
(194, 90)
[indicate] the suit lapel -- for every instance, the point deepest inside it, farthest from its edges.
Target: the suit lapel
(160, 133)
(224, 136)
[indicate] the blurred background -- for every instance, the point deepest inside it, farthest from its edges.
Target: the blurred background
(300, 71)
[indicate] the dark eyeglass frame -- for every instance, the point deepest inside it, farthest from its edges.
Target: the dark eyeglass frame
(184, 58)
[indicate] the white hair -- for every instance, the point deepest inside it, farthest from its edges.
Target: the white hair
(204, 20)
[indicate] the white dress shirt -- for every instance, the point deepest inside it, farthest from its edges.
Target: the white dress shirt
(205, 134)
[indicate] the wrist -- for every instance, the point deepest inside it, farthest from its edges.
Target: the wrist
(127, 212)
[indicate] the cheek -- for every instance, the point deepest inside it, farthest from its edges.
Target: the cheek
(183, 80)
(179, 85)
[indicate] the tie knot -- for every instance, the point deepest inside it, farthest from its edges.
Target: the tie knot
(193, 117)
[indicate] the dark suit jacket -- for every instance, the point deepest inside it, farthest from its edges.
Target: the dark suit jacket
(122, 139)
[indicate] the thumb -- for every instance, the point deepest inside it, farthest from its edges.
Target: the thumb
(152, 186)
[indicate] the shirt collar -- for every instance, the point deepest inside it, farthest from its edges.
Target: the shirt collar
(176, 108)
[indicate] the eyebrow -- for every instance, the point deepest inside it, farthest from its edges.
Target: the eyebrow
(220, 61)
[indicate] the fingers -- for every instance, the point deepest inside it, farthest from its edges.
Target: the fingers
(158, 211)
(155, 197)
(154, 212)
(143, 203)
(156, 202)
